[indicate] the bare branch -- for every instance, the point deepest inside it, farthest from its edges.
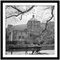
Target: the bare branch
(21, 17)
(52, 8)
(29, 9)
(20, 12)
(16, 8)
(11, 16)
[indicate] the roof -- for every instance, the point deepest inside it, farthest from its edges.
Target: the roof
(18, 27)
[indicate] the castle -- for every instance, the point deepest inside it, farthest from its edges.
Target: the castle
(20, 32)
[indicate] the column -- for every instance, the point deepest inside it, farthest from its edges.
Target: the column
(11, 35)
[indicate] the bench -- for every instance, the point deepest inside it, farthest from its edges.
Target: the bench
(26, 49)
(33, 48)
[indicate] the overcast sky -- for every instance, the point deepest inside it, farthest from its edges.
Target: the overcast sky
(39, 12)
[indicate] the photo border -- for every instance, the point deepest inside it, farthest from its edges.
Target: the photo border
(29, 2)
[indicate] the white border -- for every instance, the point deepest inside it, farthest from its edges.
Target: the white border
(55, 55)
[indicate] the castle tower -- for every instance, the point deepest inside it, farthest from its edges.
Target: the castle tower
(33, 25)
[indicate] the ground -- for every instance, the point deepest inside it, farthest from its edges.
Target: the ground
(43, 52)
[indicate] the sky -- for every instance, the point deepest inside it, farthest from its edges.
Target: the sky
(39, 12)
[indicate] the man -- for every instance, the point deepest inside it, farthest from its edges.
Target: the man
(36, 49)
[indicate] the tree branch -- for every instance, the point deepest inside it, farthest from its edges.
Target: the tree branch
(21, 17)
(16, 9)
(20, 12)
(28, 9)
(13, 15)
(52, 8)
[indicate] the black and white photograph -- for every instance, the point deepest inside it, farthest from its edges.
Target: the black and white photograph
(29, 29)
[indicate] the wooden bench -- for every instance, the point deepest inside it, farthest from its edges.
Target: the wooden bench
(34, 48)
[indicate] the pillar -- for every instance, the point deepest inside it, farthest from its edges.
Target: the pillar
(11, 36)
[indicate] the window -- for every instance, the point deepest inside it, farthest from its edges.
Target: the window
(19, 37)
(23, 37)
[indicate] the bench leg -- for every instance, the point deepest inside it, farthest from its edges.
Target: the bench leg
(26, 52)
(11, 52)
(33, 51)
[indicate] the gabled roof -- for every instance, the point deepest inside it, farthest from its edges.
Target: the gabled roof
(18, 27)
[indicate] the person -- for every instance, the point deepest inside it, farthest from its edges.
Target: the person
(36, 49)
